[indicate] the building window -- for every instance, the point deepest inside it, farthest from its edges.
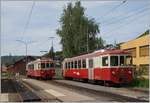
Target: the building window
(114, 60)
(132, 51)
(144, 51)
(144, 69)
(83, 63)
(105, 61)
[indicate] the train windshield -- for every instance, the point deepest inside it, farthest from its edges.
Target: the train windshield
(120, 60)
(113, 60)
(128, 61)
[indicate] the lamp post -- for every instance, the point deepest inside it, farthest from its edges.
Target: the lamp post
(26, 47)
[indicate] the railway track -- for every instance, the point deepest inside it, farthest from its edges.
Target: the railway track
(25, 93)
(17, 88)
(116, 97)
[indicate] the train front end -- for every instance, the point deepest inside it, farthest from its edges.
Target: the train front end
(121, 69)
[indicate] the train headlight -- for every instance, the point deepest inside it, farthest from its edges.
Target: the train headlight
(129, 72)
(113, 73)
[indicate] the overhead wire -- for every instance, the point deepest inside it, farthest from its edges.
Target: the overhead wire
(29, 18)
(113, 9)
(125, 24)
(126, 17)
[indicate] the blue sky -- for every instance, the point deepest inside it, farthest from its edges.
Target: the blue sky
(122, 24)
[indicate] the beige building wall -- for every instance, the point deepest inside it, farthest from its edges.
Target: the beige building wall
(137, 43)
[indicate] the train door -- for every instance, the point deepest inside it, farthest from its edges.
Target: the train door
(90, 68)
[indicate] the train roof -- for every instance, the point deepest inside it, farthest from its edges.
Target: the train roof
(98, 53)
(41, 60)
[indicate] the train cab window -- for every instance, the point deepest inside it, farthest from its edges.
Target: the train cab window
(42, 65)
(79, 63)
(105, 61)
(83, 63)
(75, 64)
(114, 60)
(71, 64)
(122, 61)
(90, 63)
(128, 60)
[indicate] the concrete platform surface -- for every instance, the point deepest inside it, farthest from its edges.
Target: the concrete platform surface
(113, 90)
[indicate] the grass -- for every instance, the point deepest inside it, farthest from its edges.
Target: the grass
(137, 82)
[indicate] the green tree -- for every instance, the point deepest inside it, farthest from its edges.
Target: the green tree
(77, 32)
(100, 43)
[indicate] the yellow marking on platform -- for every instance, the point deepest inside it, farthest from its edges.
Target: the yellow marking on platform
(55, 93)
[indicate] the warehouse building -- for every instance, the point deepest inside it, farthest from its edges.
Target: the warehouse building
(139, 48)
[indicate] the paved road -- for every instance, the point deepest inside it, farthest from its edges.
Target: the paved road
(54, 91)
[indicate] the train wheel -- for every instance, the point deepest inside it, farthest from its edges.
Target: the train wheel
(106, 83)
(85, 80)
(28, 76)
(49, 78)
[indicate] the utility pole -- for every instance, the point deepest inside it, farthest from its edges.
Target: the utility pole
(51, 38)
(87, 41)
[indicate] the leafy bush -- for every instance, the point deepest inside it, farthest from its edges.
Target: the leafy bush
(140, 82)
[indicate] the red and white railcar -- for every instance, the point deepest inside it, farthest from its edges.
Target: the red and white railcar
(111, 66)
(41, 68)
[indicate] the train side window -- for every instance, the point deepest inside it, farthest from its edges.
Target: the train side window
(47, 65)
(79, 63)
(90, 63)
(75, 64)
(39, 66)
(114, 60)
(105, 61)
(83, 63)
(66, 65)
(71, 64)
(51, 65)
(42, 65)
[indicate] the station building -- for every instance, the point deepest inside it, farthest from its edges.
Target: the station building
(139, 48)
